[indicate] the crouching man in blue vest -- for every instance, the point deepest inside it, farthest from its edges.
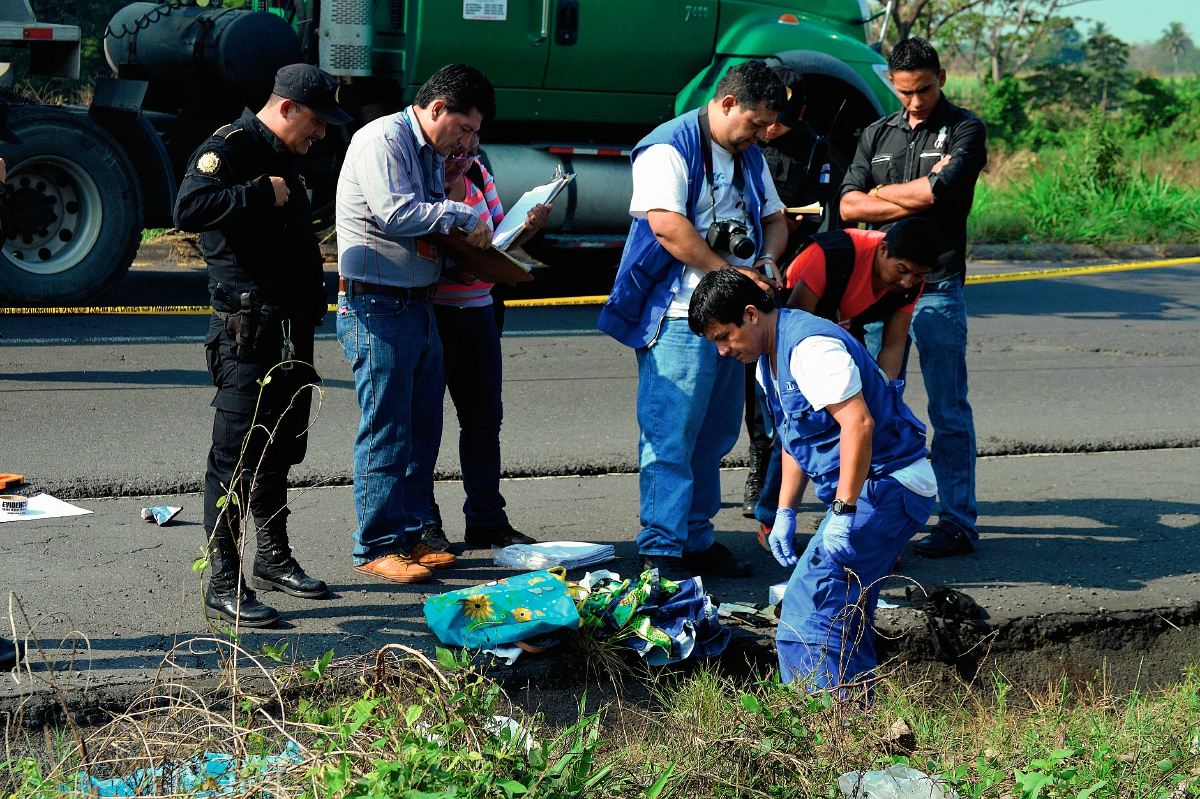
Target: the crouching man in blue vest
(703, 199)
(845, 425)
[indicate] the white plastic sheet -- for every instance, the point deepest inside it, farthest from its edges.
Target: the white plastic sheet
(44, 506)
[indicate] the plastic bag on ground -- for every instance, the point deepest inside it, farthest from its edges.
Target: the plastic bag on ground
(568, 554)
(896, 782)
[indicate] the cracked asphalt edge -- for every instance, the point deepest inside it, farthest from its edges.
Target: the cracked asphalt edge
(190, 483)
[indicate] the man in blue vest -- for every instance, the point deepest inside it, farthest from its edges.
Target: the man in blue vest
(703, 200)
(845, 425)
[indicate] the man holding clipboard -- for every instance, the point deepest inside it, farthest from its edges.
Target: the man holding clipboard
(390, 196)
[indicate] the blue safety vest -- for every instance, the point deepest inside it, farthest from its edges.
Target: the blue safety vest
(813, 437)
(649, 276)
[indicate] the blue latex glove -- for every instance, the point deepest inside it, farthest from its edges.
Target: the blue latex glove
(780, 538)
(837, 537)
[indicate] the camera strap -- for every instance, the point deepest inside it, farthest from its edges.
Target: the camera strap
(739, 180)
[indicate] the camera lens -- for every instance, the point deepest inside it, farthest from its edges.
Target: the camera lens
(741, 245)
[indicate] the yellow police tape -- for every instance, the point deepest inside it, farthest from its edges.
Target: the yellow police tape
(1072, 271)
(595, 299)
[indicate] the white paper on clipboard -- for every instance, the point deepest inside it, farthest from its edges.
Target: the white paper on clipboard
(514, 218)
(488, 10)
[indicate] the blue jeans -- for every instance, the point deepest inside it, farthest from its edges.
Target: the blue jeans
(826, 634)
(939, 329)
(689, 409)
(393, 346)
(474, 370)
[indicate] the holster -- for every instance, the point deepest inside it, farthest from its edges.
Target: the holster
(248, 320)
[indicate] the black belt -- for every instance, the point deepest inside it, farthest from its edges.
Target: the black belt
(352, 287)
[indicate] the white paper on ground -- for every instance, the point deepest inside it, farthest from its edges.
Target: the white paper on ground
(506, 652)
(44, 506)
(514, 218)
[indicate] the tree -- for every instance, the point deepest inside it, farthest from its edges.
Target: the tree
(926, 17)
(1006, 34)
(1107, 58)
(1175, 41)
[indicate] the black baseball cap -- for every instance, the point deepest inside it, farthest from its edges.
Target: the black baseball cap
(313, 88)
(6, 133)
(793, 81)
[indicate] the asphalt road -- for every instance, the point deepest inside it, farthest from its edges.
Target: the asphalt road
(118, 405)
(97, 407)
(1061, 534)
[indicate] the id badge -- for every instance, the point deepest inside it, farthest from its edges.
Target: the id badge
(427, 251)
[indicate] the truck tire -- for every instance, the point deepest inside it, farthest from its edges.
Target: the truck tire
(76, 208)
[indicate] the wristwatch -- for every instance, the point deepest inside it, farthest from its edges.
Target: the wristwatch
(842, 509)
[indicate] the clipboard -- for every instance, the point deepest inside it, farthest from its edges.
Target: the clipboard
(491, 265)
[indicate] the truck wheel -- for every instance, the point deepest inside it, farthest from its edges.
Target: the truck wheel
(76, 208)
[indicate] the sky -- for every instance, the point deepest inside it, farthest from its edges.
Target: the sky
(1142, 20)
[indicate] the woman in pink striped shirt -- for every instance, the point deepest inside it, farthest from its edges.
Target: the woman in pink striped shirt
(472, 364)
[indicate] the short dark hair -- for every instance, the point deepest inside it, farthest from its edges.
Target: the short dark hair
(914, 240)
(461, 88)
(752, 83)
(722, 297)
(914, 55)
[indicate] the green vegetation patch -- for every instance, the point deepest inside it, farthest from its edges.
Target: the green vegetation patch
(396, 724)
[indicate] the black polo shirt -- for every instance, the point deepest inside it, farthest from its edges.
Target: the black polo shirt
(889, 151)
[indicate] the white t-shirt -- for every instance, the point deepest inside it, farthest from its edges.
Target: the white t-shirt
(826, 375)
(660, 182)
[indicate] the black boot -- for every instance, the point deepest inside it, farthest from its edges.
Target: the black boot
(11, 653)
(226, 597)
(276, 570)
(759, 459)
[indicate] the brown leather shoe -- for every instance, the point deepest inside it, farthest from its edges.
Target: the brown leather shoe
(398, 567)
(430, 558)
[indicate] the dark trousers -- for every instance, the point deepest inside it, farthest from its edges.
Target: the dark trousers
(757, 425)
(256, 439)
(474, 371)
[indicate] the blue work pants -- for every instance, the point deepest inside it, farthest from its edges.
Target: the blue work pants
(826, 633)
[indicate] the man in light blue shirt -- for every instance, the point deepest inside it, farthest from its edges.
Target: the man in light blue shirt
(389, 194)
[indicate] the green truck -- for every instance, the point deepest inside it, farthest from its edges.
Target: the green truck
(578, 83)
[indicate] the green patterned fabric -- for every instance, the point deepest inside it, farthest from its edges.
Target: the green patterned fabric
(622, 607)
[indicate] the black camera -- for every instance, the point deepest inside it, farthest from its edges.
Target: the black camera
(732, 238)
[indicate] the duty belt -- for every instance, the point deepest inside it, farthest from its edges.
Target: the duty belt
(352, 287)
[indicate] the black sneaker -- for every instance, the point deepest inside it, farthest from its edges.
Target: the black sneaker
(944, 541)
(716, 561)
(435, 537)
(501, 535)
(669, 567)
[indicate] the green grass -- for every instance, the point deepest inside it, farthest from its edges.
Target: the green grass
(382, 726)
(1053, 205)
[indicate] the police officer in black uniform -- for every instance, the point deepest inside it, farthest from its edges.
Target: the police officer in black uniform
(10, 652)
(244, 192)
(805, 170)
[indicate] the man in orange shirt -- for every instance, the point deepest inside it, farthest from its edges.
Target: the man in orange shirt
(855, 277)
